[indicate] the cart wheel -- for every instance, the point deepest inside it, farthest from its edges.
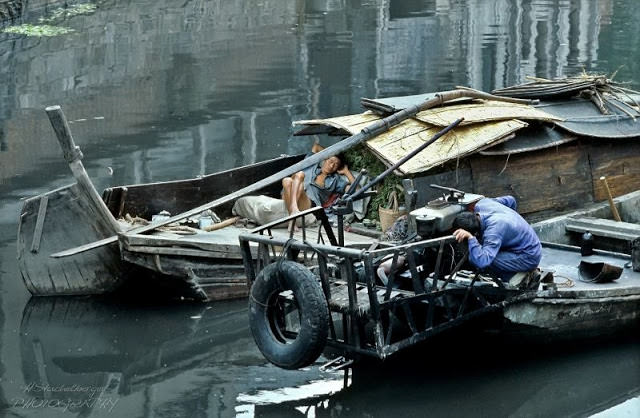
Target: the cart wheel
(288, 315)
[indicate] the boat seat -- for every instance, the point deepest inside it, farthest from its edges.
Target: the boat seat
(607, 228)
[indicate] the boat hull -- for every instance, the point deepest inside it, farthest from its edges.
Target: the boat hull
(66, 218)
(53, 222)
(570, 318)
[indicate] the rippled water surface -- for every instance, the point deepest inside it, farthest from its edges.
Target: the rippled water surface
(158, 90)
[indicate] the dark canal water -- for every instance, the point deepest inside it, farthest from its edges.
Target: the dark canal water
(160, 90)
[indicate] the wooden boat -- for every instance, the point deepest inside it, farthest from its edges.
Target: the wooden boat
(574, 307)
(426, 292)
(202, 265)
(70, 242)
(549, 156)
(208, 264)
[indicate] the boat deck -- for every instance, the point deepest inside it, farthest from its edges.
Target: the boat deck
(564, 262)
(223, 242)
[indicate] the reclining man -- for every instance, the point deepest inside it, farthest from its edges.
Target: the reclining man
(318, 185)
(499, 239)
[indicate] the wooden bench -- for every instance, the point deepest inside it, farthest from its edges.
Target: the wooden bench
(607, 228)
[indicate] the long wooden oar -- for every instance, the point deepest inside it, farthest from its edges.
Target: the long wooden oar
(367, 133)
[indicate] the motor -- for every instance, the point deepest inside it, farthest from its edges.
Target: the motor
(437, 216)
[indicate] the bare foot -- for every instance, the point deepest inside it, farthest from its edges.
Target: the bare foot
(292, 223)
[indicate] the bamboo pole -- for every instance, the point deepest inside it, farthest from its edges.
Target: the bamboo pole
(367, 133)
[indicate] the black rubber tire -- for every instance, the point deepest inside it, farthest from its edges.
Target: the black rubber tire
(313, 310)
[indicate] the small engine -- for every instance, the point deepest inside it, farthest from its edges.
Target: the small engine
(436, 218)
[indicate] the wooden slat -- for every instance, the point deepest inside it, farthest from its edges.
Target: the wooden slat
(69, 221)
(184, 252)
(37, 233)
(619, 161)
(225, 291)
(604, 227)
(558, 179)
(195, 241)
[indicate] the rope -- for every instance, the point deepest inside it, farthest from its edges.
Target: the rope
(568, 283)
(283, 255)
(264, 305)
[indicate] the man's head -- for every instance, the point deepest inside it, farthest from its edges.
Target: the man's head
(333, 164)
(468, 221)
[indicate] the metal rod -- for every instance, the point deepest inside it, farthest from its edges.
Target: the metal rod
(438, 267)
(295, 244)
(374, 306)
(403, 160)
(367, 133)
(458, 266)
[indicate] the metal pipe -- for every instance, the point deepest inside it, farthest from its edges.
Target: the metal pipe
(403, 160)
(367, 133)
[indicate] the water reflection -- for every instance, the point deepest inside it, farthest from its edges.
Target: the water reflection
(141, 361)
(192, 359)
(159, 90)
(217, 85)
(478, 378)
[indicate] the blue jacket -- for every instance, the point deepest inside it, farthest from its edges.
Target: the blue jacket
(504, 230)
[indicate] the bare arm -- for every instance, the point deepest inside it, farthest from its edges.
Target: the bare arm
(347, 173)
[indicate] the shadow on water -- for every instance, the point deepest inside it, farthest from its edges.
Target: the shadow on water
(150, 359)
(483, 376)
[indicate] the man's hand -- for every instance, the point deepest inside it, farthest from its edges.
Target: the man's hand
(344, 170)
(462, 234)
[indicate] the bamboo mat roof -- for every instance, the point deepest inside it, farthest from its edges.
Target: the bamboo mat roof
(585, 105)
(486, 123)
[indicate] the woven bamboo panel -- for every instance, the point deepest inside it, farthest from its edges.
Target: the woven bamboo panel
(351, 124)
(483, 112)
(462, 141)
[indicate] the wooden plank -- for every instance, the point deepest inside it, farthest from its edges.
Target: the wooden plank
(225, 291)
(619, 162)
(37, 233)
(69, 220)
(73, 156)
(145, 200)
(184, 252)
(196, 242)
(180, 266)
(604, 227)
(553, 179)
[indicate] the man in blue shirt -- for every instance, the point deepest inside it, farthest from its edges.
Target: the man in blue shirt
(499, 239)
